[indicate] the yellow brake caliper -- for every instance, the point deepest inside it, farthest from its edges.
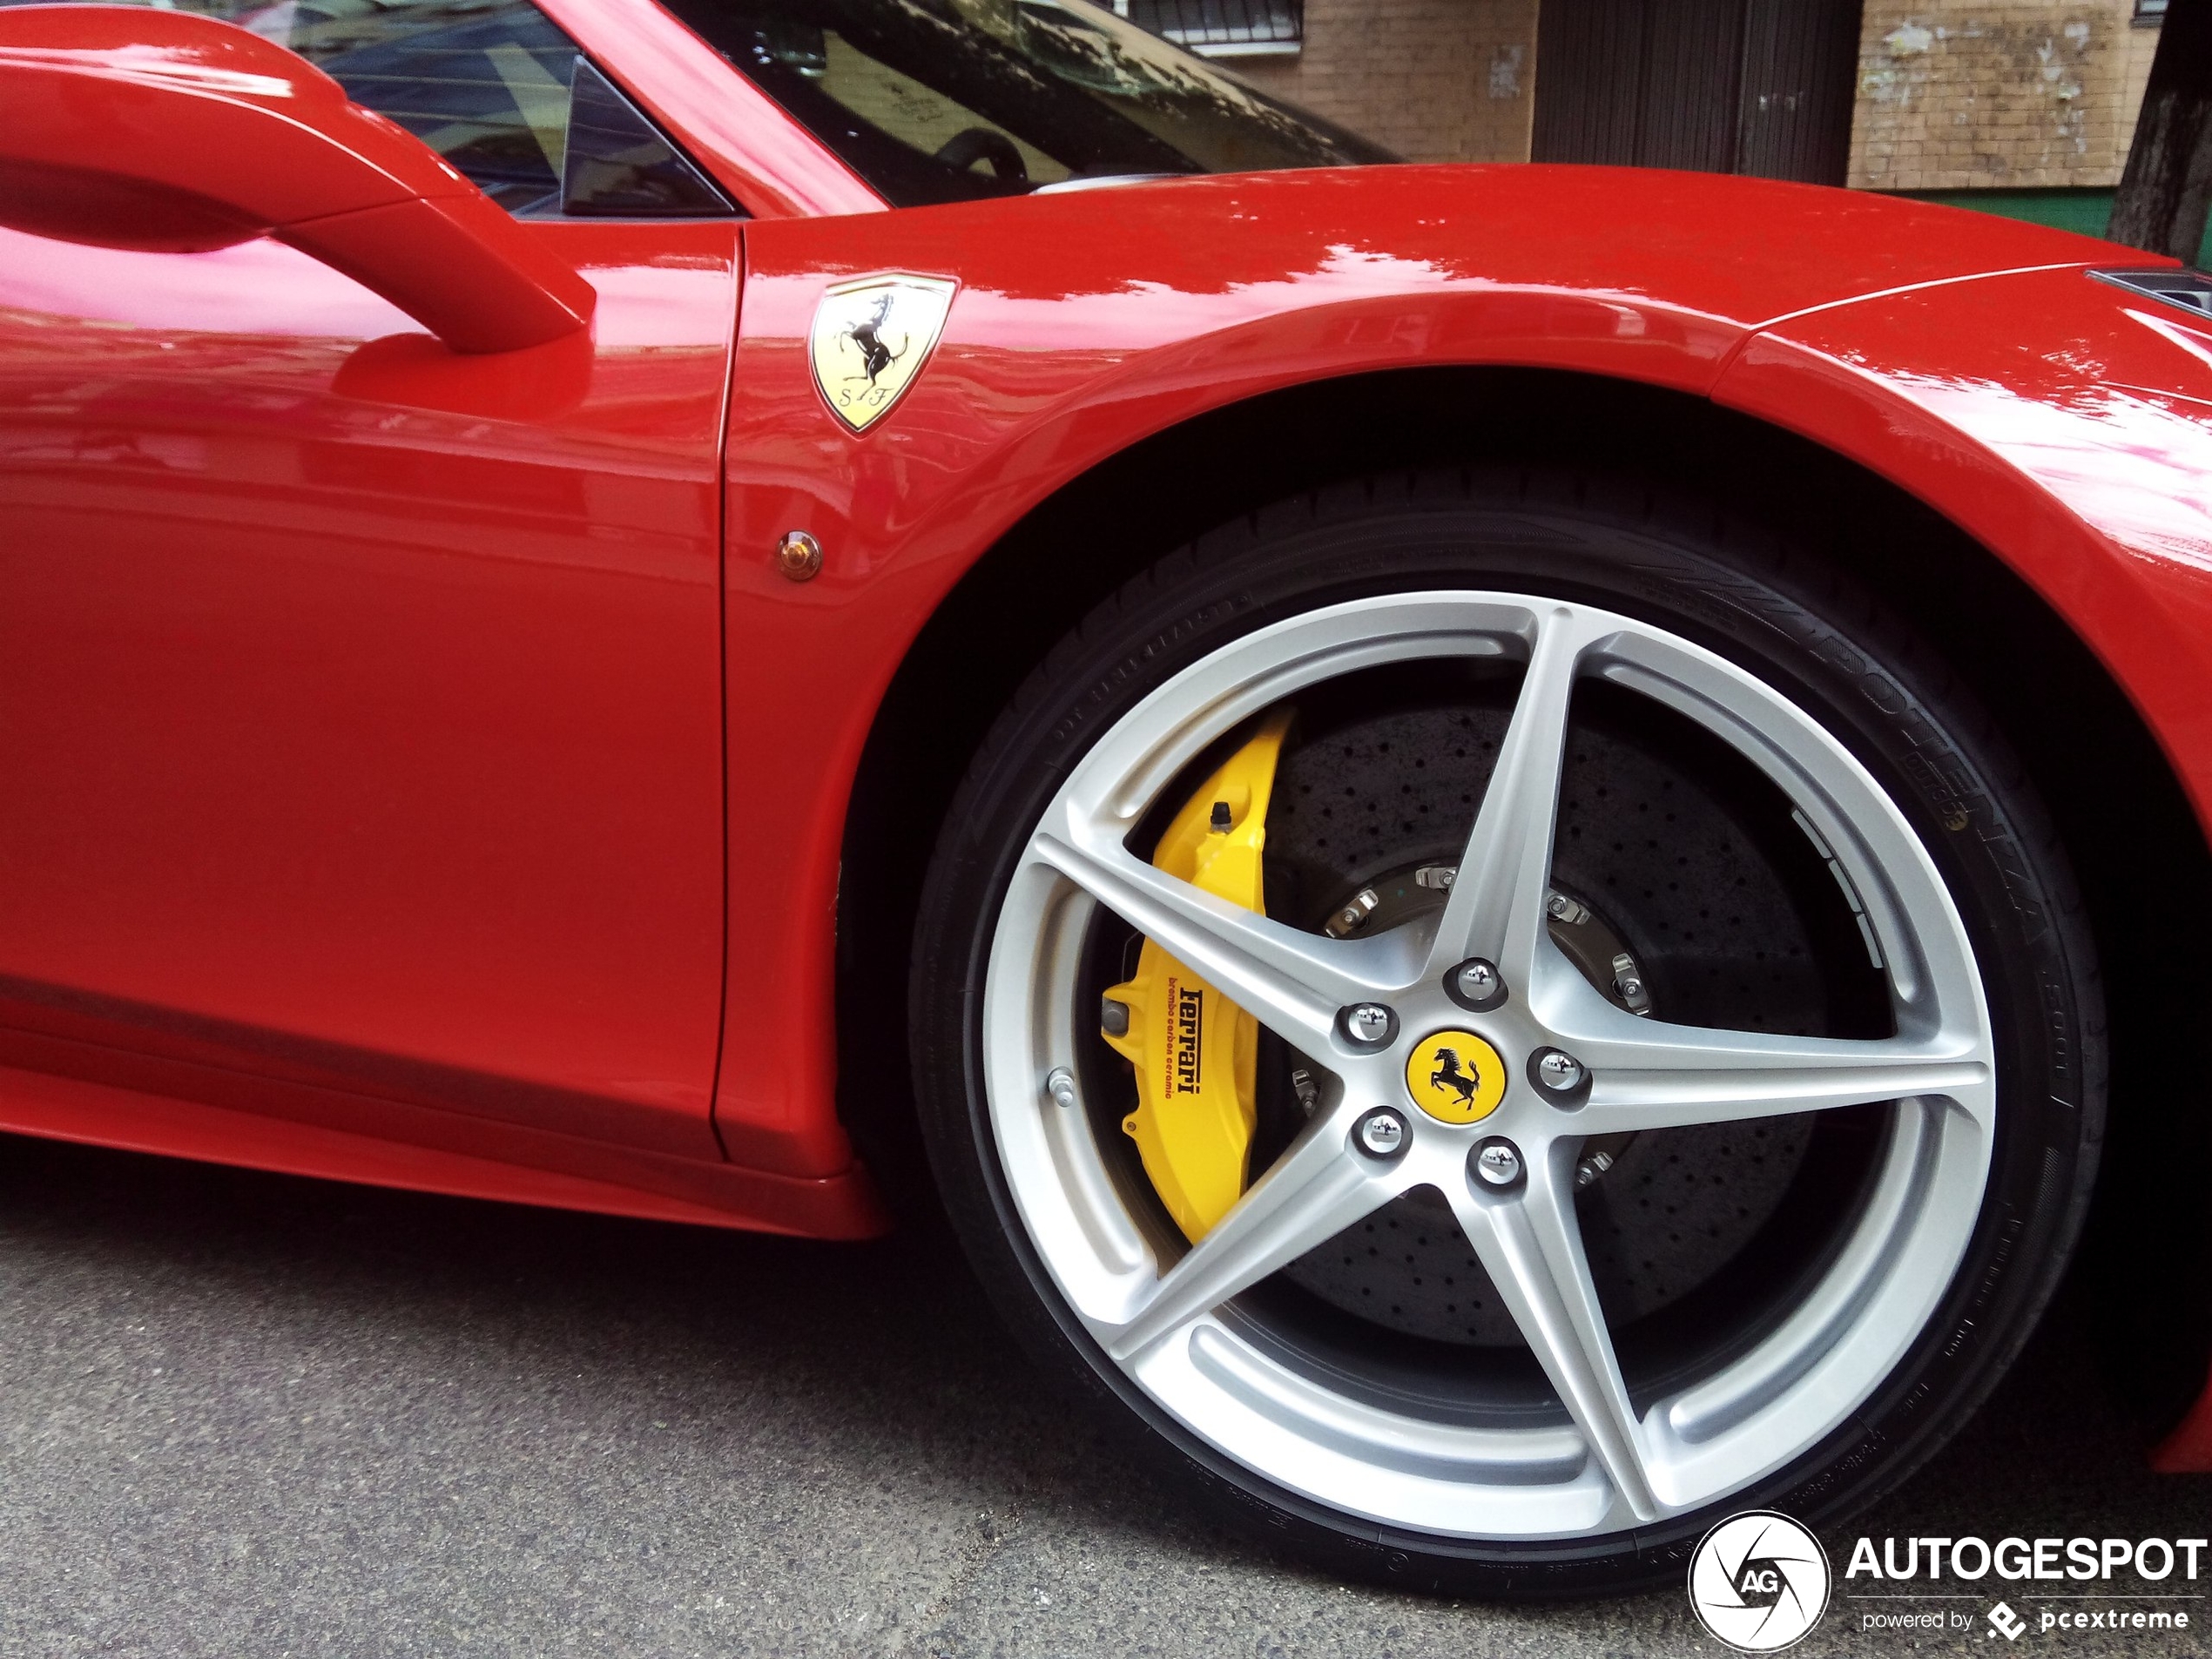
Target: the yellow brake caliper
(1194, 1050)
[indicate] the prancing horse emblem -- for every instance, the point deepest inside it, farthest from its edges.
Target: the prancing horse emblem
(875, 356)
(1455, 1076)
(1447, 1074)
(871, 338)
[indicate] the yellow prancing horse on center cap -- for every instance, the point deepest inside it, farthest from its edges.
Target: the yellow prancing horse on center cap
(1455, 1076)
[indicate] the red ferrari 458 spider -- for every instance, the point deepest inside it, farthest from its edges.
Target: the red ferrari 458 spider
(1488, 830)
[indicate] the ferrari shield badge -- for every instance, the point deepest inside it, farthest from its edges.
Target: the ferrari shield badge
(871, 338)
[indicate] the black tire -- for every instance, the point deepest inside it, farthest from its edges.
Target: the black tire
(1739, 591)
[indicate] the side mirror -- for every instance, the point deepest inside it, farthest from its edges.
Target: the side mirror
(126, 127)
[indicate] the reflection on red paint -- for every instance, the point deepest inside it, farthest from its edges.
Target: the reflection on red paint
(364, 725)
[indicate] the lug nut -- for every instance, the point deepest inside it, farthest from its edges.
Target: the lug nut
(1369, 1024)
(1382, 1133)
(1475, 985)
(1060, 1083)
(1563, 1079)
(1496, 1162)
(1559, 1072)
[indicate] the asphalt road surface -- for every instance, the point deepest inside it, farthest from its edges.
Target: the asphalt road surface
(242, 1416)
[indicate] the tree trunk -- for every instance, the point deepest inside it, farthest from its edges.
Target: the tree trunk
(2167, 187)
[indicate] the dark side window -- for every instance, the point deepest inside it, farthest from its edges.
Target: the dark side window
(945, 100)
(498, 90)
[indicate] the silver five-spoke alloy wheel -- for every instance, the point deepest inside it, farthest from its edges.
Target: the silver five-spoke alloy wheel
(1160, 1313)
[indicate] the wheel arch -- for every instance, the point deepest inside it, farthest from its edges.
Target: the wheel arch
(2145, 869)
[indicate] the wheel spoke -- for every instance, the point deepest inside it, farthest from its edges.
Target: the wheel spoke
(1292, 982)
(1315, 1191)
(1529, 1244)
(1647, 1075)
(1496, 907)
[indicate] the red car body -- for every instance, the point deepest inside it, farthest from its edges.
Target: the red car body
(418, 770)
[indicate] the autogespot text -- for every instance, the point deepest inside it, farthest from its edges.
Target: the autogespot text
(2172, 1565)
(2079, 1559)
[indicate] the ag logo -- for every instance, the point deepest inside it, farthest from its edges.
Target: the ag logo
(870, 340)
(1455, 1076)
(1758, 1582)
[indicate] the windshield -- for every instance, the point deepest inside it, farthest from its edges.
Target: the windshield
(946, 100)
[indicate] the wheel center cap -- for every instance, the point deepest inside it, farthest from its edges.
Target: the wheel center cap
(1455, 1076)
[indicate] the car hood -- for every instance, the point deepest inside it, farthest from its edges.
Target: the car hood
(1747, 251)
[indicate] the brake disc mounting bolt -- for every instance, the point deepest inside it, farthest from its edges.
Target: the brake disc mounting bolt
(1590, 1167)
(1348, 921)
(1060, 1083)
(1496, 1162)
(1382, 1133)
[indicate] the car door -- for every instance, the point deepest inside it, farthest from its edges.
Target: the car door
(360, 736)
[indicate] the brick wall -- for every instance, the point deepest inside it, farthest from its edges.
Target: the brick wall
(1967, 95)
(2142, 46)
(1435, 80)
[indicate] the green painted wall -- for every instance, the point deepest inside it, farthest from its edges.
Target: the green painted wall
(2085, 211)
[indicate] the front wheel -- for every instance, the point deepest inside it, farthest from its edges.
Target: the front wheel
(1499, 1023)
